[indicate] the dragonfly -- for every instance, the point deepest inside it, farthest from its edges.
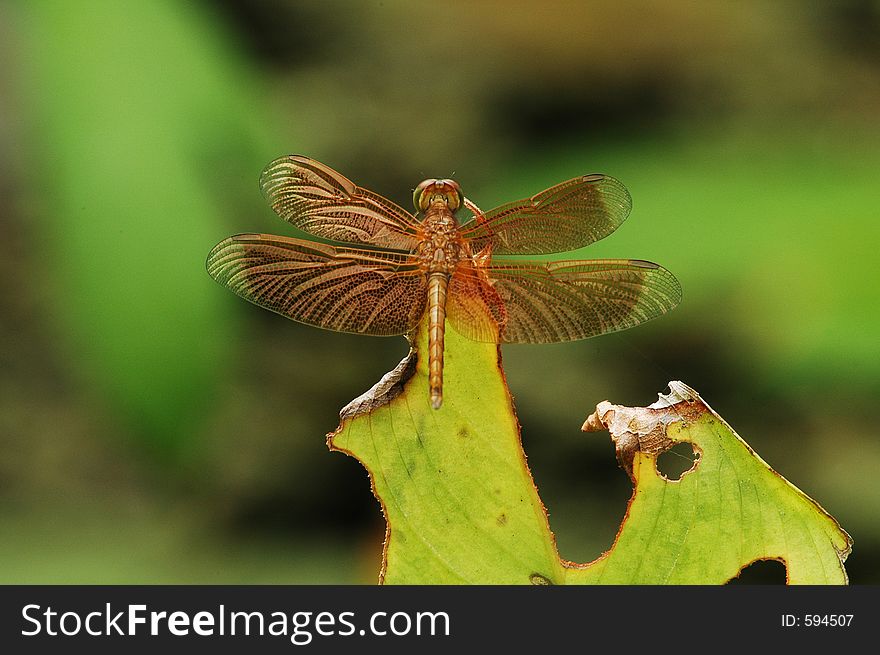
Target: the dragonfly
(393, 266)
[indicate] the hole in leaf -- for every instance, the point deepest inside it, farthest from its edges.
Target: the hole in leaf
(678, 460)
(761, 571)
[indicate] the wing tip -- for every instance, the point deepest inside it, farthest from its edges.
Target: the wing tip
(672, 287)
(269, 170)
(672, 291)
(216, 264)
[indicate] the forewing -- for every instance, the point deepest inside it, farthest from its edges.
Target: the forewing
(549, 302)
(320, 201)
(341, 289)
(565, 217)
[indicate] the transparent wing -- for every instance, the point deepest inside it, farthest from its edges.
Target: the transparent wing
(565, 217)
(548, 302)
(320, 201)
(341, 289)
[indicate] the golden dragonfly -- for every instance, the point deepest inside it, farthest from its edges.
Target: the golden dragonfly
(429, 261)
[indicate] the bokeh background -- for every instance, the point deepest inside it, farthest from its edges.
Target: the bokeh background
(155, 428)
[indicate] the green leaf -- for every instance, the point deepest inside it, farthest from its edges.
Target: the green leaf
(461, 506)
(730, 510)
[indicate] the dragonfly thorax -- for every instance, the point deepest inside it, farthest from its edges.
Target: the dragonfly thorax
(440, 245)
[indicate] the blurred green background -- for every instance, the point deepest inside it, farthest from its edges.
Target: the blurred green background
(155, 428)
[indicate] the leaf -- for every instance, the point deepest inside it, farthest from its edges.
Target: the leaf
(461, 506)
(459, 500)
(730, 510)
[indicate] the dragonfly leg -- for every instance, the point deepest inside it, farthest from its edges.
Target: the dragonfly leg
(473, 209)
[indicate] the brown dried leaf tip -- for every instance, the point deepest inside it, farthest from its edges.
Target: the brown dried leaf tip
(385, 390)
(643, 429)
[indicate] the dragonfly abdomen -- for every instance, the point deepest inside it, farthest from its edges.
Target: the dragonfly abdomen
(437, 285)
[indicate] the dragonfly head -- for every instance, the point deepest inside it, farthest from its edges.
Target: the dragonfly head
(431, 191)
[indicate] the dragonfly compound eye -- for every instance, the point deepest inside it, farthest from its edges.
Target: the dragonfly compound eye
(452, 191)
(421, 199)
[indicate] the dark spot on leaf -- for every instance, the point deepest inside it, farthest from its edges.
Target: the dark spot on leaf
(761, 571)
(679, 460)
(538, 579)
(463, 432)
(502, 519)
